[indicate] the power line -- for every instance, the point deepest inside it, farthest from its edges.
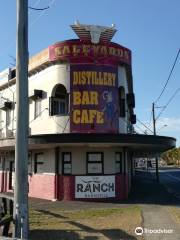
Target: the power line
(38, 9)
(41, 14)
(169, 101)
(145, 126)
(34, 119)
(144, 131)
(150, 119)
(140, 129)
(173, 66)
(66, 125)
(10, 43)
(38, 1)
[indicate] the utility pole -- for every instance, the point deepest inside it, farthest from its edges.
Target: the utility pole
(22, 125)
(154, 130)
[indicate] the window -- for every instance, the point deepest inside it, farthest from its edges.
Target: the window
(118, 166)
(38, 163)
(37, 108)
(67, 163)
(1, 121)
(59, 106)
(59, 101)
(95, 163)
(122, 103)
(8, 117)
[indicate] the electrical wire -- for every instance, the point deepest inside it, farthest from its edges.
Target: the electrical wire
(134, 126)
(173, 66)
(169, 101)
(140, 129)
(149, 124)
(38, 115)
(11, 43)
(41, 14)
(37, 2)
(38, 9)
(66, 125)
(145, 125)
(52, 119)
(62, 127)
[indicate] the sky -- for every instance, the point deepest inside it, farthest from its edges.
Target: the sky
(150, 29)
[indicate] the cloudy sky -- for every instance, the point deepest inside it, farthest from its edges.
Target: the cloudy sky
(149, 28)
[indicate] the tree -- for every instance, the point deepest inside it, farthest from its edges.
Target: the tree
(171, 157)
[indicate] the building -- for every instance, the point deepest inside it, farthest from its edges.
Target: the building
(81, 115)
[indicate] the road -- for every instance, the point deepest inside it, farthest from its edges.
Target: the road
(170, 178)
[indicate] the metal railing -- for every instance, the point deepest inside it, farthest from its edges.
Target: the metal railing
(6, 214)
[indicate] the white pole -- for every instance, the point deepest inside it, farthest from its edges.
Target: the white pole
(22, 118)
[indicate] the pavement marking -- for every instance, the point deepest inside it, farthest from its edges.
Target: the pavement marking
(164, 170)
(172, 176)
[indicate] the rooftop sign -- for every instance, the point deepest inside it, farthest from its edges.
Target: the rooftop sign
(76, 51)
(94, 33)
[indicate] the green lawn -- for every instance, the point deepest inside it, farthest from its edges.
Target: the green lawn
(90, 224)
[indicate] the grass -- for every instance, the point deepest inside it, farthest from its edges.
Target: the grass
(90, 224)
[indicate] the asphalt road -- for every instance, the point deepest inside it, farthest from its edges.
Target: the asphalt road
(170, 178)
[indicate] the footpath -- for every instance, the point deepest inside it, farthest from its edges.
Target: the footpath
(154, 200)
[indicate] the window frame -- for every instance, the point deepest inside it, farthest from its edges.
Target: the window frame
(59, 101)
(37, 108)
(93, 162)
(64, 162)
(59, 96)
(37, 163)
(8, 118)
(120, 161)
(1, 118)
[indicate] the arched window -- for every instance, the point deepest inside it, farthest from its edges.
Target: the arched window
(59, 100)
(122, 108)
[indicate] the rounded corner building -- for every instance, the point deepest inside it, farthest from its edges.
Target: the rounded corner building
(82, 144)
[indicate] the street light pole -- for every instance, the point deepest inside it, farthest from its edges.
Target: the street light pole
(154, 130)
(22, 118)
(154, 119)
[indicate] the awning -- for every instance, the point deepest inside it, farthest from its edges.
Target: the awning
(137, 143)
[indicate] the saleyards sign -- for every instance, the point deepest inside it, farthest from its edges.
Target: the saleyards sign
(95, 187)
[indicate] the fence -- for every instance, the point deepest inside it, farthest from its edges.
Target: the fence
(6, 214)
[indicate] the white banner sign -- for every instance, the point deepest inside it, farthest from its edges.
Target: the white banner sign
(94, 186)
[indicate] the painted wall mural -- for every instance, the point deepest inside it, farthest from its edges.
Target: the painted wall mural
(94, 98)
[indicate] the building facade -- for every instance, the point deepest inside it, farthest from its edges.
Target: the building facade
(81, 115)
